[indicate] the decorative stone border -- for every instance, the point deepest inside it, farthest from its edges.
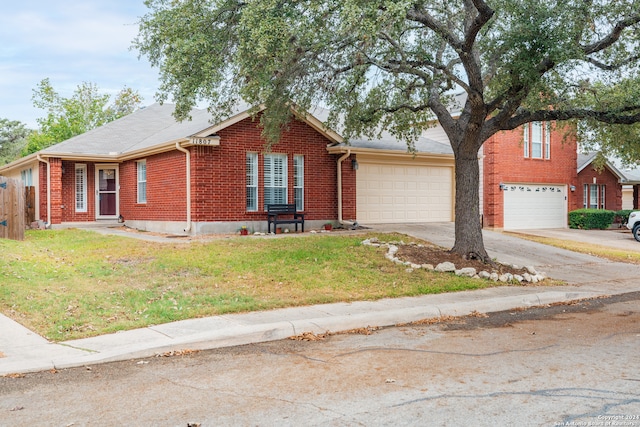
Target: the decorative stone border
(530, 276)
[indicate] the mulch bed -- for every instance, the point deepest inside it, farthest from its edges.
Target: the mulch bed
(435, 255)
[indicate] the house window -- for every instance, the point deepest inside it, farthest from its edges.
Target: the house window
(602, 196)
(252, 182)
(547, 141)
(275, 178)
(298, 181)
(27, 177)
(585, 196)
(81, 188)
(537, 140)
(142, 181)
(593, 196)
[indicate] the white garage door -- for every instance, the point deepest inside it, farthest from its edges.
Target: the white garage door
(530, 206)
(388, 193)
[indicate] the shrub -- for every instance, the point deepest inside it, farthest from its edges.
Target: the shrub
(622, 216)
(589, 219)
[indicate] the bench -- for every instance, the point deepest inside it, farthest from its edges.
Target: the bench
(275, 211)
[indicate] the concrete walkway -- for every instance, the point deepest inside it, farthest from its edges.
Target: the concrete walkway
(23, 351)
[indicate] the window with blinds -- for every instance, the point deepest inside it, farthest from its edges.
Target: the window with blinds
(142, 181)
(81, 188)
(298, 181)
(252, 182)
(275, 179)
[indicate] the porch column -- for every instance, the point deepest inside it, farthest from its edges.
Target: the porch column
(56, 190)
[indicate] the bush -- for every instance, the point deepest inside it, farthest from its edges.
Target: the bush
(589, 219)
(621, 217)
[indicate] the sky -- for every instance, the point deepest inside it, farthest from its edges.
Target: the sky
(69, 42)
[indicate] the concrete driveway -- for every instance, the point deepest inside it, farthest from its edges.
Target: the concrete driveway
(617, 238)
(589, 272)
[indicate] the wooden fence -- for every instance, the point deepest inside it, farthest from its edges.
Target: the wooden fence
(12, 209)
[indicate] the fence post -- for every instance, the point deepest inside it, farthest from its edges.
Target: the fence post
(12, 209)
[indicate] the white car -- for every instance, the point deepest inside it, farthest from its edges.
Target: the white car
(633, 224)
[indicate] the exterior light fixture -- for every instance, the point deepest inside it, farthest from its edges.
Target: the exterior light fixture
(354, 164)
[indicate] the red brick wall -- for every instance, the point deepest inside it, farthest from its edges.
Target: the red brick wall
(42, 186)
(68, 210)
(166, 188)
(504, 162)
(218, 178)
(219, 173)
(56, 191)
(348, 189)
(613, 190)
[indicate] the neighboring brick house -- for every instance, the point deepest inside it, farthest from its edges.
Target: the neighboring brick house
(529, 177)
(598, 188)
(195, 177)
(606, 187)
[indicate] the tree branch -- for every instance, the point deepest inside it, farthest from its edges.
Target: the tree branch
(612, 37)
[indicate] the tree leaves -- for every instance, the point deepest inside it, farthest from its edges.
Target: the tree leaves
(86, 109)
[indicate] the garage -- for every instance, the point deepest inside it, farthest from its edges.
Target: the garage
(531, 206)
(403, 191)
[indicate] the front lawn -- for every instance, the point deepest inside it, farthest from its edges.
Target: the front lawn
(67, 284)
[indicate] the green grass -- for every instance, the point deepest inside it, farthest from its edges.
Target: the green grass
(67, 284)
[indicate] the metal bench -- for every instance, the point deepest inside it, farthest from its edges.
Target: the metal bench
(288, 210)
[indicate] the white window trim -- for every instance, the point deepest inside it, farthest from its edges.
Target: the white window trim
(544, 141)
(270, 178)
(141, 197)
(298, 181)
(81, 205)
(536, 140)
(547, 141)
(27, 177)
(252, 182)
(593, 195)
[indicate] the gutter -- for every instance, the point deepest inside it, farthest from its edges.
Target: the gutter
(188, 161)
(48, 188)
(340, 160)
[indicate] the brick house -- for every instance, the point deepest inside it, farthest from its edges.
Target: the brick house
(528, 176)
(608, 187)
(196, 177)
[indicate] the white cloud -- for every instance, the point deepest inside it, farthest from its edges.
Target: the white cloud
(69, 42)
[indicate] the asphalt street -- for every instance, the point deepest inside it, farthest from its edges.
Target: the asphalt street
(574, 364)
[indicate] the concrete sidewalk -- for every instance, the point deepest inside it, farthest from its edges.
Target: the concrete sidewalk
(23, 351)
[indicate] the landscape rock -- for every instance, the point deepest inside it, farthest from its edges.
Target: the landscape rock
(466, 272)
(446, 267)
(484, 275)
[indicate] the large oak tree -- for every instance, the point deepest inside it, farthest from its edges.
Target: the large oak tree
(394, 64)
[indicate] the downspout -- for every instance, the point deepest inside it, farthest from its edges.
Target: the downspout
(188, 160)
(48, 188)
(340, 160)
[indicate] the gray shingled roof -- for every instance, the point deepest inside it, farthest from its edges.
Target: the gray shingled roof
(155, 125)
(144, 128)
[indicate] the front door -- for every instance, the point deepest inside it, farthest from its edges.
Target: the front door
(107, 191)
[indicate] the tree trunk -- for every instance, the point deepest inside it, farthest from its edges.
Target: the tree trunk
(468, 223)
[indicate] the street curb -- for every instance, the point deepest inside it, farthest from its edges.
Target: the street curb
(247, 334)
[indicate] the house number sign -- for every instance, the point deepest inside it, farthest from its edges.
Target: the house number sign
(205, 141)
